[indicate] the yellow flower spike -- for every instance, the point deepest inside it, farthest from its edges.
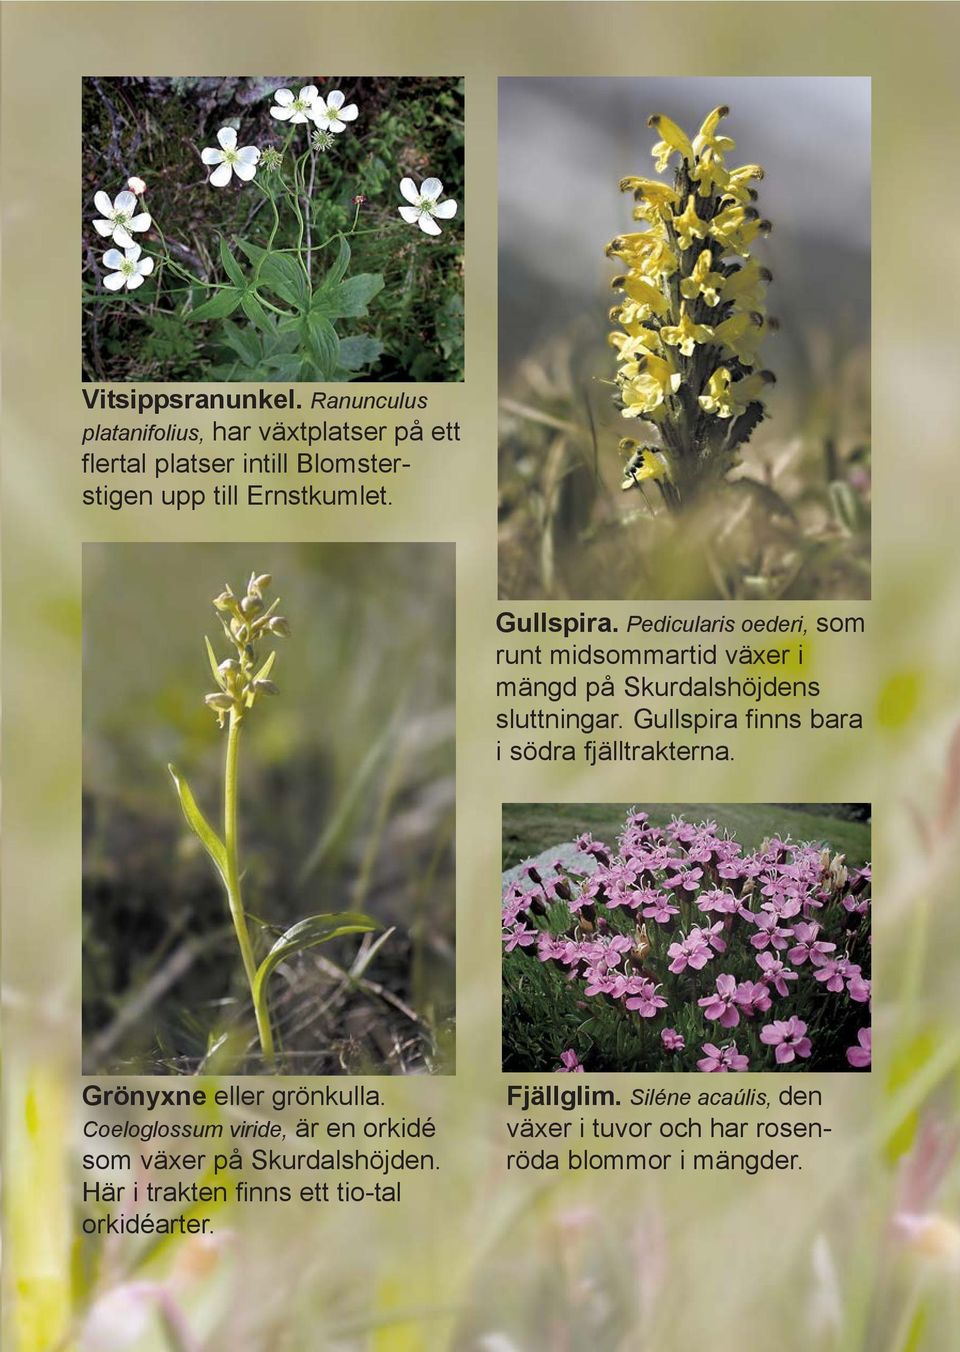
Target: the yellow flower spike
(686, 334)
(702, 281)
(674, 140)
(689, 226)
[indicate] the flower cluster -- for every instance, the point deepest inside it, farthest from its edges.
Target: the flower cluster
(733, 959)
(693, 313)
(246, 621)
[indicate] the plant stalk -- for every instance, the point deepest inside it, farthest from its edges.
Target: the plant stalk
(233, 884)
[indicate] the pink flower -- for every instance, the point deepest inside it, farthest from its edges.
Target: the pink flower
(646, 1001)
(690, 952)
(521, 936)
(808, 945)
(753, 998)
(720, 1004)
(569, 1063)
(721, 1059)
(658, 907)
(774, 973)
(672, 1040)
(860, 1057)
(830, 972)
(789, 1037)
(769, 932)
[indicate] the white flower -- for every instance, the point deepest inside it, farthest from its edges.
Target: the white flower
(120, 217)
(229, 159)
(137, 185)
(426, 204)
(330, 114)
(303, 108)
(129, 269)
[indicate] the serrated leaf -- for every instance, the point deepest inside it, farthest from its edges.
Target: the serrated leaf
(321, 338)
(316, 929)
(219, 306)
(349, 299)
(279, 273)
(359, 351)
(214, 664)
(198, 823)
(255, 312)
(339, 268)
(230, 265)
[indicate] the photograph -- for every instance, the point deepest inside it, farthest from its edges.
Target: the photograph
(706, 937)
(684, 338)
(272, 228)
(268, 809)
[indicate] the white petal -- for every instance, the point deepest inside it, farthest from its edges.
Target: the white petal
(445, 209)
(211, 156)
(103, 228)
(112, 258)
(135, 280)
(133, 253)
(336, 126)
(281, 113)
(408, 189)
(121, 237)
(125, 202)
(114, 282)
(428, 225)
(409, 214)
(221, 175)
(308, 93)
(227, 137)
(244, 170)
(283, 96)
(335, 98)
(299, 116)
(141, 222)
(103, 204)
(248, 154)
(145, 267)
(431, 187)
(349, 113)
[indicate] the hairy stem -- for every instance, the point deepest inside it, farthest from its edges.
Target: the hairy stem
(233, 883)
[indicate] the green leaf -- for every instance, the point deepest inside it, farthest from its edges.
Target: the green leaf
(221, 304)
(244, 342)
(359, 351)
(321, 338)
(280, 273)
(285, 366)
(255, 312)
(253, 251)
(316, 929)
(214, 665)
(338, 271)
(349, 299)
(266, 669)
(198, 823)
(230, 265)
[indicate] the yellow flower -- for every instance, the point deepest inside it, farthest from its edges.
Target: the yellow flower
(741, 335)
(636, 340)
(703, 282)
(728, 398)
(644, 293)
(649, 188)
(644, 463)
(673, 140)
(689, 226)
(686, 334)
(747, 285)
(646, 252)
(706, 141)
(736, 227)
(645, 385)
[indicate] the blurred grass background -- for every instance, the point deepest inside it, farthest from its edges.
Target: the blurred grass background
(346, 803)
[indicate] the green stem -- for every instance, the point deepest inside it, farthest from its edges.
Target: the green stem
(233, 884)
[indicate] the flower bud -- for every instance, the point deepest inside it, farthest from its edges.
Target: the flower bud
(226, 600)
(279, 625)
(219, 701)
(266, 688)
(136, 185)
(251, 606)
